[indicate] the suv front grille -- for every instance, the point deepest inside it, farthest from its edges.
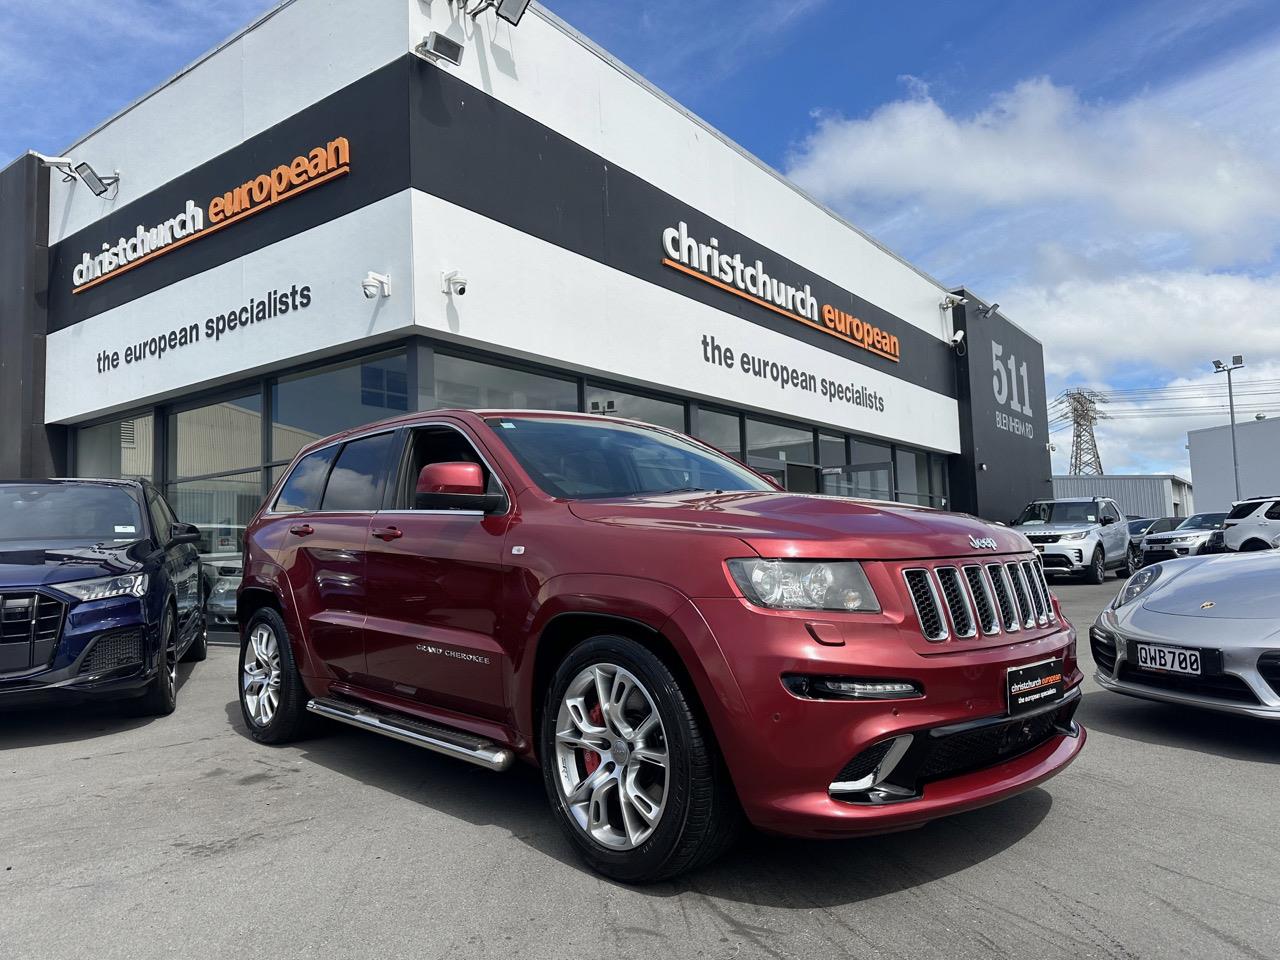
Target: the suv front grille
(963, 601)
(30, 625)
(110, 651)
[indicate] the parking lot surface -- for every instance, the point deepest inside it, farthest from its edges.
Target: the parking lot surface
(180, 837)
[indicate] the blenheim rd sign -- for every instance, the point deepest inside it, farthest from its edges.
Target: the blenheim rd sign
(318, 166)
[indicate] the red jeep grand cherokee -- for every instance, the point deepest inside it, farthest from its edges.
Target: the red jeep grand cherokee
(671, 638)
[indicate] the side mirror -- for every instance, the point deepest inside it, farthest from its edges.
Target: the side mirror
(183, 533)
(454, 486)
(1108, 521)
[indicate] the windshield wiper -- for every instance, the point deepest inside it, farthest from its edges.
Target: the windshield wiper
(663, 493)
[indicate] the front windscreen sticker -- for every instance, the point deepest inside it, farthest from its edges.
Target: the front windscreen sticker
(126, 528)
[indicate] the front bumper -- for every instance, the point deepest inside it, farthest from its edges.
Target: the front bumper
(1166, 550)
(1237, 685)
(1072, 556)
(787, 754)
(107, 651)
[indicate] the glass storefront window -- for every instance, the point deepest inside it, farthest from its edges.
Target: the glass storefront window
(222, 437)
(312, 405)
(837, 479)
(469, 384)
(872, 470)
(938, 480)
(784, 453)
(721, 430)
(612, 403)
(913, 477)
(120, 450)
(220, 507)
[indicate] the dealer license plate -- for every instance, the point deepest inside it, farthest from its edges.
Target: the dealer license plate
(1169, 659)
(1035, 685)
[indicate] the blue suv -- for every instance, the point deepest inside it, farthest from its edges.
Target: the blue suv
(100, 594)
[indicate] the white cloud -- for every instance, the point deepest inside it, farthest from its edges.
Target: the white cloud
(1147, 321)
(1137, 164)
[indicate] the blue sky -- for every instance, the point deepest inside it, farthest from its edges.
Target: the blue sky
(1106, 170)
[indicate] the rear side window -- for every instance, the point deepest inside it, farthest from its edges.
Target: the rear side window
(1242, 510)
(359, 475)
(301, 493)
(1273, 512)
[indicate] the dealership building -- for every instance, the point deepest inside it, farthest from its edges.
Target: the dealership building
(335, 217)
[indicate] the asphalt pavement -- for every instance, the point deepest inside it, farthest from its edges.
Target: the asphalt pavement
(180, 837)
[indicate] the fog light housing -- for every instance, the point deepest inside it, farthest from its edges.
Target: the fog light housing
(850, 688)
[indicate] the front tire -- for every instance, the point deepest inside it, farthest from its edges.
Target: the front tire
(273, 700)
(1132, 562)
(161, 696)
(631, 771)
(1097, 571)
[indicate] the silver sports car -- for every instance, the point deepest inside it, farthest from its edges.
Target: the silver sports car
(1203, 631)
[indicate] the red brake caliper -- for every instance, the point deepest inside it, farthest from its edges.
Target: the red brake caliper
(591, 759)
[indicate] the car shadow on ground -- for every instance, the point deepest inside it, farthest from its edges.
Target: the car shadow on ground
(70, 722)
(760, 869)
(1187, 728)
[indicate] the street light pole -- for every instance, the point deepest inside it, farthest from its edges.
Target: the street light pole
(1219, 367)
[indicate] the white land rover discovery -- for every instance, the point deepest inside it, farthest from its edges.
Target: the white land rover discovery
(1086, 536)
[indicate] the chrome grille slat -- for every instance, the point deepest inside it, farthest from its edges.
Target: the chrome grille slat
(1004, 597)
(957, 601)
(1033, 587)
(1044, 588)
(924, 597)
(1021, 593)
(982, 601)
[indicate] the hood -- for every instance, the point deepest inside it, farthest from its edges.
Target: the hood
(1058, 528)
(40, 564)
(1240, 586)
(866, 529)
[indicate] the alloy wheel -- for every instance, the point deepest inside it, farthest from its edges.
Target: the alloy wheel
(612, 764)
(260, 678)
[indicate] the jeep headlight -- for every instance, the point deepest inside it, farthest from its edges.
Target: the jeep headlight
(805, 584)
(1137, 585)
(1080, 535)
(129, 585)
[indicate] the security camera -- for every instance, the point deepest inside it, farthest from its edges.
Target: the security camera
(453, 284)
(375, 285)
(990, 312)
(957, 338)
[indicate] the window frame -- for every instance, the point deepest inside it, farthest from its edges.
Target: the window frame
(394, 495)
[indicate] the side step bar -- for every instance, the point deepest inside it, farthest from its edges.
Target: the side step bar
(452, 743)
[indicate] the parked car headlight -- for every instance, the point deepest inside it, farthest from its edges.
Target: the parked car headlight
(1137, 585)
(805, 584)
(1080, 535)
(129, 585)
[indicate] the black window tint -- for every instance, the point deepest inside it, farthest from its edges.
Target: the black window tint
(1242, 510)
(358, 475)
(1273, 512)
(302, 491)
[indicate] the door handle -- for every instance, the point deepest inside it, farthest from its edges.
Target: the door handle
(387, 534)
(302, 530)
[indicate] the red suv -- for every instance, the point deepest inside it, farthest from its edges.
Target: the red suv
(675, 642)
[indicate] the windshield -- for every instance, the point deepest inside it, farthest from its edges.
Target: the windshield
(1203, 521)
(1059, 512)
(82, 512)
(597, 459)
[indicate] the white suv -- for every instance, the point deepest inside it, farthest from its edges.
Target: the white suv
(1253, 524)
(1082, 535)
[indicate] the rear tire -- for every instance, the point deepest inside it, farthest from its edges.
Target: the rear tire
(630, 769)
(273, 699)
(1097, 571)
(1250, 546)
